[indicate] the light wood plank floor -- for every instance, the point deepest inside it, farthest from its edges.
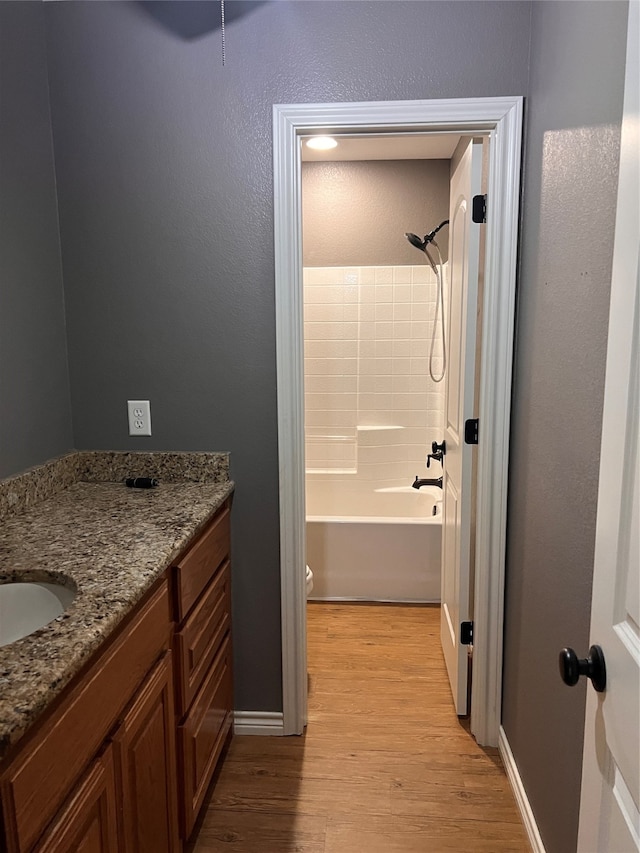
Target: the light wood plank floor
(385, 765)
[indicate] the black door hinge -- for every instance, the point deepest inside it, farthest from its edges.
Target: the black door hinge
(466, 633)
(479, 209)
(471, 431)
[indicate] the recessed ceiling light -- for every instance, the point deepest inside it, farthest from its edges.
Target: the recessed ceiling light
(321, 143)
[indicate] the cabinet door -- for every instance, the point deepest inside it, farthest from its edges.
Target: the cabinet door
(87, 823)
(144, 747)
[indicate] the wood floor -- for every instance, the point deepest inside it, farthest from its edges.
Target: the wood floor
(385, 765)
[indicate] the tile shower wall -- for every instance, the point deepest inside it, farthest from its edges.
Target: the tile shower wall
(371, 409)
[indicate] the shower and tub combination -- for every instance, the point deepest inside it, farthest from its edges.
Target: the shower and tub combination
(373, 531)
(380, 545)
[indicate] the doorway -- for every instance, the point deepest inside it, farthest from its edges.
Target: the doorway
(372, 326)
(501, 120)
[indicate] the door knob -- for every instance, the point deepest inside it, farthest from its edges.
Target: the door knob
(571, 667)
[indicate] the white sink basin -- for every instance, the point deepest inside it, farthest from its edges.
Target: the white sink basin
(27, 606)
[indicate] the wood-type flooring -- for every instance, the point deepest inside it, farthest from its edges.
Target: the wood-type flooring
(385, 765)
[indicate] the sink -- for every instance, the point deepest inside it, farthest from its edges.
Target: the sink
(26, 606)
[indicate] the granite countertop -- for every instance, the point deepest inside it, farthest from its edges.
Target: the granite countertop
(107, 541)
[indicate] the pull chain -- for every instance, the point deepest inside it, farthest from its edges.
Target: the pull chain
(222, 29)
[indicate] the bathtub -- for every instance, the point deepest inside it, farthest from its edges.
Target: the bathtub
(379, 545)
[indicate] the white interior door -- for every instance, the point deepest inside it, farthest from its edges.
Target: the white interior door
(609, 813)
(457, 569)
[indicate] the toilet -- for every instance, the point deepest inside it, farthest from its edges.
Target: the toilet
(309, 581)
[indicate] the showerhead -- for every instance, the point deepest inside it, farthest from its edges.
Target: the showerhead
(416, 241)
(428, 238)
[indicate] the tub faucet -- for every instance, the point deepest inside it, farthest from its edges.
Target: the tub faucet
(417, 483)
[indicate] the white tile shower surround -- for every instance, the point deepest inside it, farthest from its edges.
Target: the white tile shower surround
(367, 337)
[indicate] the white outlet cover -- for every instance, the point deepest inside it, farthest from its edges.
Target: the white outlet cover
(139, 412)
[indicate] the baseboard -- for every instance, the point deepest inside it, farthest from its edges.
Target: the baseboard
(520, 794)
(346, 599)
(258, 723)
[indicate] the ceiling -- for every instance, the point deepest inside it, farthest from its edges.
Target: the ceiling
(386, 146)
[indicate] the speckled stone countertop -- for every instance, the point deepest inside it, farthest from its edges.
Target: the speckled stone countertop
(73, 520)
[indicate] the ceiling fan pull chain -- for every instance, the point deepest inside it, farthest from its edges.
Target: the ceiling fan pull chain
(222, 29)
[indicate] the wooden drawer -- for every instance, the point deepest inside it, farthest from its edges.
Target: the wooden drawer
(37, 781)
(202, 735)
(89, 820)
(195, 568)
(199, 640)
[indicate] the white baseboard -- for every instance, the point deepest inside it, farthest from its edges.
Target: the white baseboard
(258, 723)
(520, 794)
(352, 599)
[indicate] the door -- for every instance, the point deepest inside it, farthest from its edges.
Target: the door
(457, 557)
(609, 819)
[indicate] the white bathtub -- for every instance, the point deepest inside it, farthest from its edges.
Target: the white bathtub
(380, 545)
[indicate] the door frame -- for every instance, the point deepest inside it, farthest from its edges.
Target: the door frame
(501, 120)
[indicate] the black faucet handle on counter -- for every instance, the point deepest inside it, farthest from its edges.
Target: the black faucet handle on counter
(141, 482)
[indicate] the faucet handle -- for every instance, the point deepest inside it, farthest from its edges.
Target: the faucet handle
(438, 451)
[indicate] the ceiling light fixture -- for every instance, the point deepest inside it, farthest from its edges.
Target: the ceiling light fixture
(321, 143)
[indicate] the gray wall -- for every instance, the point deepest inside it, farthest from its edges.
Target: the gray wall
(35, 408)
(164, 164)
(357, 213)
(574, 111)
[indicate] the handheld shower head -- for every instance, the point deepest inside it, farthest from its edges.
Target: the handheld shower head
(416, 241)
(423, 244)
(428, 238)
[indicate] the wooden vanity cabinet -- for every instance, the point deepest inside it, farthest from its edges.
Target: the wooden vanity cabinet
(58, 791)
(202, 647)
(122, 760)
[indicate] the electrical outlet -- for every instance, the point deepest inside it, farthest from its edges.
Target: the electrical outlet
(139, 417)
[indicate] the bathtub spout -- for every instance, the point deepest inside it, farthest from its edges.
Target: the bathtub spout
(428, 482)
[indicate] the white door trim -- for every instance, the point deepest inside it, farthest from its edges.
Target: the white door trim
(501, 118)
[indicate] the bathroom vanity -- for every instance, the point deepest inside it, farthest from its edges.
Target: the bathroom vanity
(114, 717)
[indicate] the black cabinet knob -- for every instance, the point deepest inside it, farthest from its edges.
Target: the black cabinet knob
(572, 667)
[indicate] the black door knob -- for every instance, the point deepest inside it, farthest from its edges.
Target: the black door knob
(571, 667)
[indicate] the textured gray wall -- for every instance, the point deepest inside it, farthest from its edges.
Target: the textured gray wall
(357, 213)
(35, 407)
(574, 112)
(164, 162)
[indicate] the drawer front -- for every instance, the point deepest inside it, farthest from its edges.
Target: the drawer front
(40, 777)
(199, 640)
(203, 734)
(194, 570)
